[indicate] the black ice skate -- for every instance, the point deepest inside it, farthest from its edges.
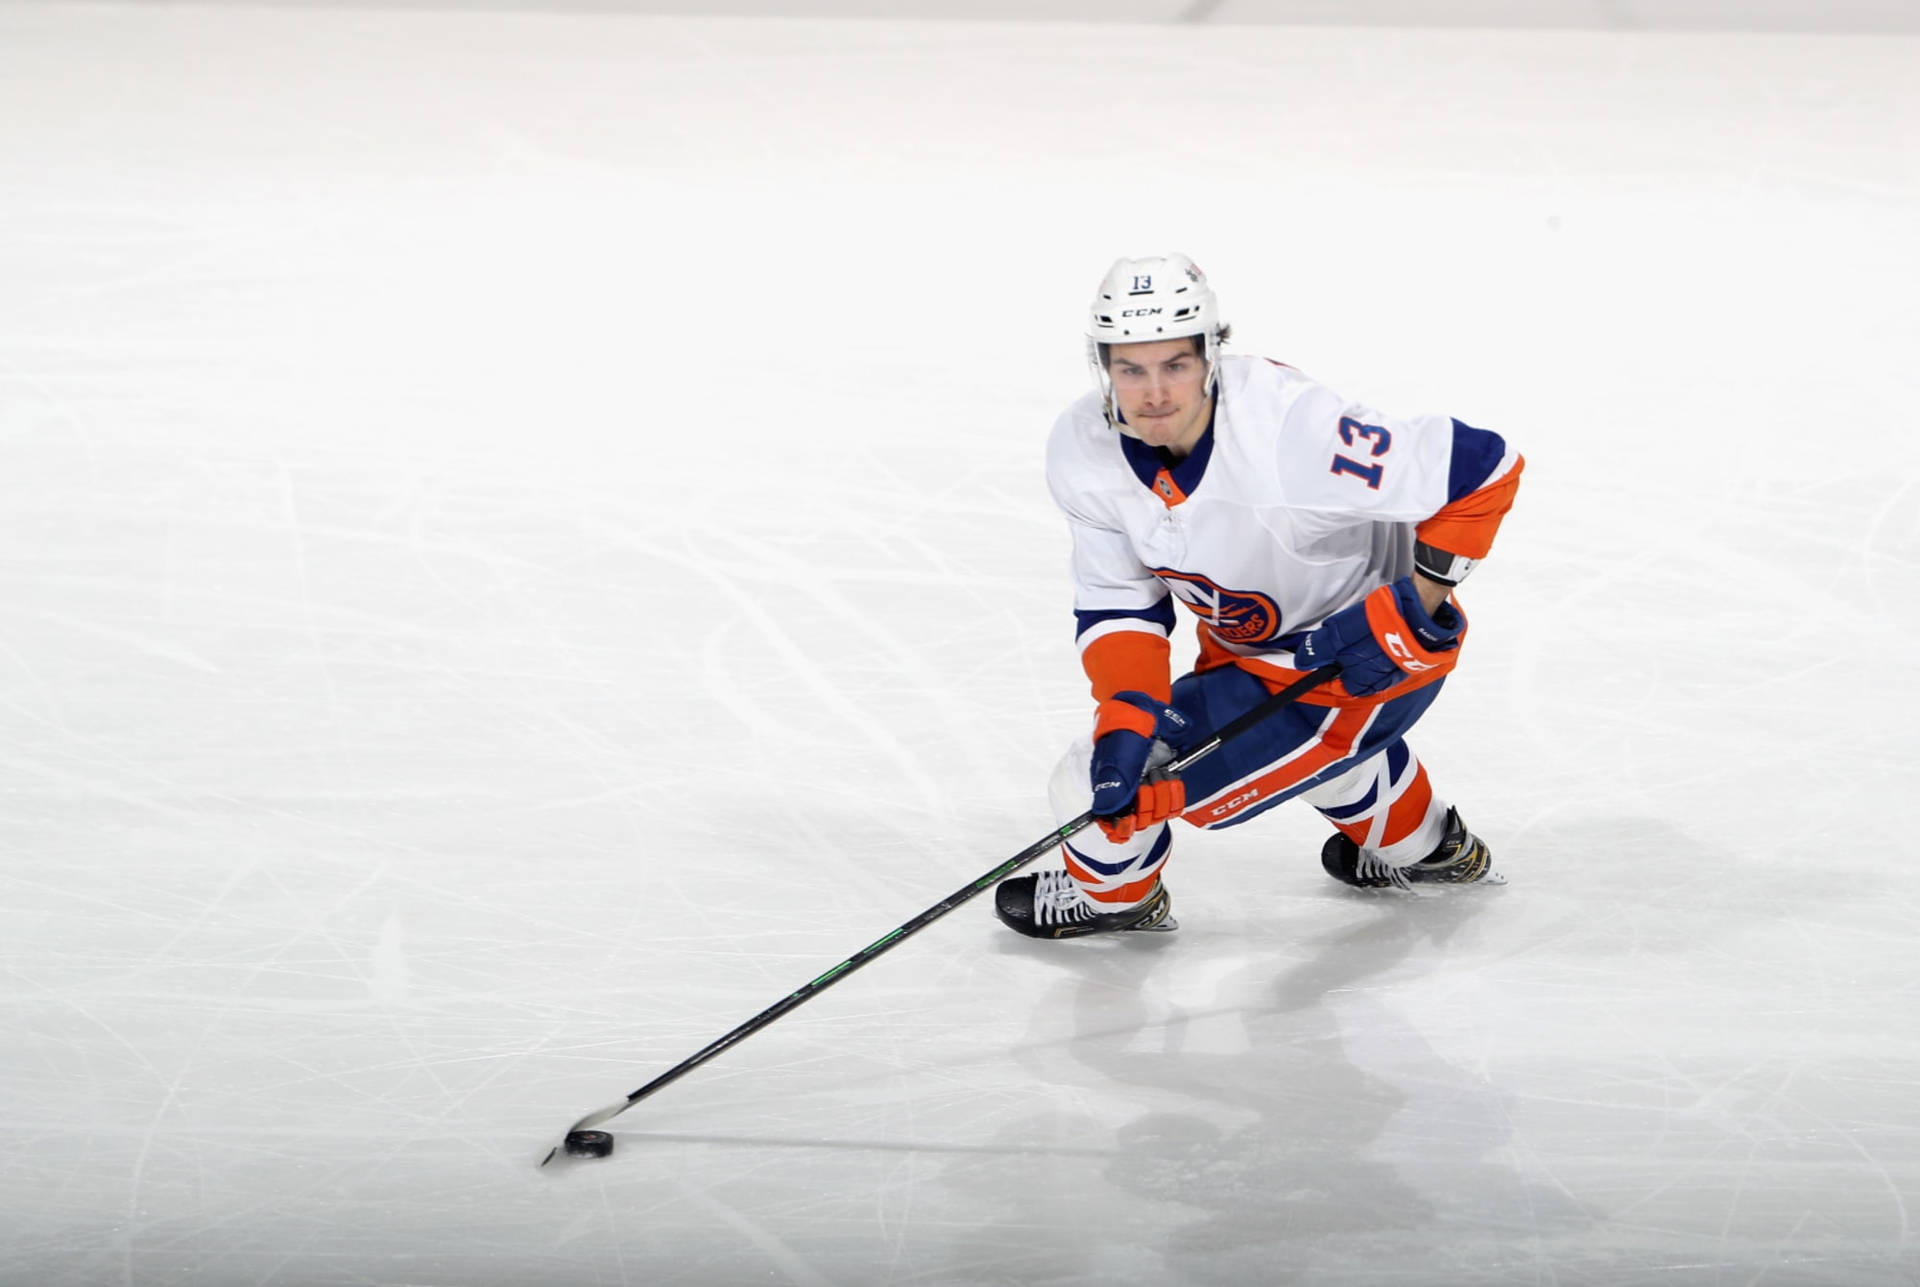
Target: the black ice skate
(1051, 905)
(1462, 858)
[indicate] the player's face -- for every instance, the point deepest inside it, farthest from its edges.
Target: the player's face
(1160, 389)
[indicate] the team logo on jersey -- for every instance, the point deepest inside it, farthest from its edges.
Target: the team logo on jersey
(1235, 616)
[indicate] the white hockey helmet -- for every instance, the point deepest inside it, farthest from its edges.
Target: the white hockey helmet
(1158, 297)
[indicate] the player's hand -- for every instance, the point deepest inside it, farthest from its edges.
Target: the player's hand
(1382, 639)
(1123, 738)
(1157, 800)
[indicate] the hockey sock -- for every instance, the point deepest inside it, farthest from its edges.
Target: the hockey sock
(1113, 874)
(1123, 877)
(1386, 806)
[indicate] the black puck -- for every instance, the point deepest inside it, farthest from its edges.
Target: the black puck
(589, 1143)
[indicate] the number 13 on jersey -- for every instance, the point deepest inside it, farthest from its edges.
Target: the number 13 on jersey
(1375, 438)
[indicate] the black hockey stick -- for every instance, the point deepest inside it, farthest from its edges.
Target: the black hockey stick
(601, 1143)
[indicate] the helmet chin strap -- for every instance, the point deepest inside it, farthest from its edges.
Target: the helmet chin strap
(1104, 384)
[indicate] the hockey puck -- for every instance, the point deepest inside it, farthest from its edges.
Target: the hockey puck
(589, 1143)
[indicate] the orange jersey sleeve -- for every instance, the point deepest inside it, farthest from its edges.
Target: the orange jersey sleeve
(1129, 661)
(1466, 526)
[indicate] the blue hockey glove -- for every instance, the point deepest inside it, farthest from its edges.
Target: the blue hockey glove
(1382, 639)
(1129, 724)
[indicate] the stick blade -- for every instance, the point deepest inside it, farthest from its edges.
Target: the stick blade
(606, 1114)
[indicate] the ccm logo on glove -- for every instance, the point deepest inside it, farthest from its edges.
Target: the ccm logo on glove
(1382, 639)
(1405, 655)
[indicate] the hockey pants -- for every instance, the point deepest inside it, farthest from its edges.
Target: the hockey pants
(1352, 764)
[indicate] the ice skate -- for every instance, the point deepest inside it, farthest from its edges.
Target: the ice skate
(1461, 858)
(1051, 905)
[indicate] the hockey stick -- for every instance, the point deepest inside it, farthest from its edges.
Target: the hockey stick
(1226, 733)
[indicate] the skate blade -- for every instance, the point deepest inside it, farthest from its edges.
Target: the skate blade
(1437, 886)
(1434, 888)
(1161, 926)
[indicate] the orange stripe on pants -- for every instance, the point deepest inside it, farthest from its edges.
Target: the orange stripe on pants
(1338, 732)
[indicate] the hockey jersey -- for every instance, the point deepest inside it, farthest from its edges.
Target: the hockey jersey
(1293, 505)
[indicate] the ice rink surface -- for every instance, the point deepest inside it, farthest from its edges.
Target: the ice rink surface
(523, 542)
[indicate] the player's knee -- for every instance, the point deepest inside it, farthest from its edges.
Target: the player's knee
(1346, 788)
(1070, 789)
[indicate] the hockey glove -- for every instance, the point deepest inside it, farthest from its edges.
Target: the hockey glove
(1382, 639)
(1124, 735)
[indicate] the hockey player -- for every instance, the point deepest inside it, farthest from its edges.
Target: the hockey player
(1302, 530)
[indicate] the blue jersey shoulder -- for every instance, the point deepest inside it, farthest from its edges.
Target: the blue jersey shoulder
(1476, 454)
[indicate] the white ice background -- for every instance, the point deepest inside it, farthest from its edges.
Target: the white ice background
(522, 542)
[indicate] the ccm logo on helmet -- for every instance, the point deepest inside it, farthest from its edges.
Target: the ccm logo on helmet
(1138, 312)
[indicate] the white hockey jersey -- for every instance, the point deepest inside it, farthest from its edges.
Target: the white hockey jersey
(1293, 505)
